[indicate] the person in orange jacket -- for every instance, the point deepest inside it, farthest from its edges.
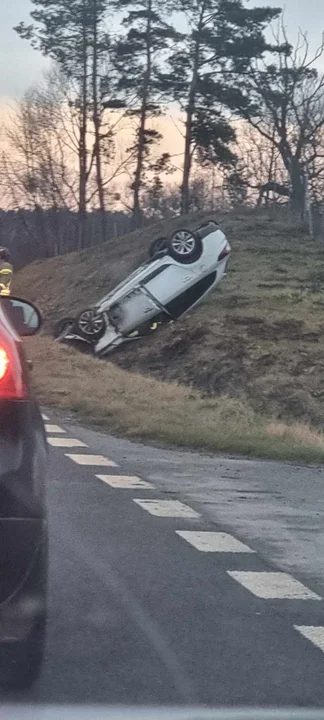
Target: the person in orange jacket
(6, 272)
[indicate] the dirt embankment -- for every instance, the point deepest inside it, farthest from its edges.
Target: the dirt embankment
(259, 338)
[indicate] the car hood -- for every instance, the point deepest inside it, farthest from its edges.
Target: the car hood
(101, 712)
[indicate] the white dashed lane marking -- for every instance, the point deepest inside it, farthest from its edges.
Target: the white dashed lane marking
(313, 633)
(65, 442)
(54, 429)
(266, 585)
(214, 542)
(125, 482)
(167, 508)
(273, 585)
(95, 460)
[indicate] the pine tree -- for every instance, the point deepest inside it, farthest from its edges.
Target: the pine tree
(137, 54)
(222, 39)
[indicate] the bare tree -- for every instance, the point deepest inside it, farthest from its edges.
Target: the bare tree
(37, 151)
(72, 33)
(260, 165)
(287, 95)
(36, 170)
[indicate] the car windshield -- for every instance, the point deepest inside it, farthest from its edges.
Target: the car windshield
(161, 359)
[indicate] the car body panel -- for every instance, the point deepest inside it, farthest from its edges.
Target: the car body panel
(192, 296)
(167, 285)
(136, 304)
(24, 601)
(133, 280)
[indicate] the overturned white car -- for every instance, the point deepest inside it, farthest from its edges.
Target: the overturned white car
(177, 276)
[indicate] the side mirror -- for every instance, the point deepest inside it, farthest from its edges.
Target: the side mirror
(23, 315)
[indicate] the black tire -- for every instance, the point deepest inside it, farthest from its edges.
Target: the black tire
(90, 324)
(185, 246)
(158, 246)
(62, 325)
(21, 662)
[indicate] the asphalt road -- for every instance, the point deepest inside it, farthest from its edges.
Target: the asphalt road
(141, 615)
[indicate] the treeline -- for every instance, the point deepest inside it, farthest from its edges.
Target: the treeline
(39, 234)
(249, 111)
(42, 233)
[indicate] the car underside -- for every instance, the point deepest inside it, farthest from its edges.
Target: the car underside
(179, 273)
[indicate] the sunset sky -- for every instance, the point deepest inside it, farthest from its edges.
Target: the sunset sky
(22, 66)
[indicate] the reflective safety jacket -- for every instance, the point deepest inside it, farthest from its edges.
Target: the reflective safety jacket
(6, 272)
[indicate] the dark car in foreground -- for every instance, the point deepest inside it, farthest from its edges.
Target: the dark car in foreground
(23, 527)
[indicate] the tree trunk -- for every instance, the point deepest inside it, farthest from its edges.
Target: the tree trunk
(296, 177)
(185, 200)
(42, 231)
(83, 142)
(97, 112)
(187, 159)
(137, 211)
(298, 189)
(271, 166)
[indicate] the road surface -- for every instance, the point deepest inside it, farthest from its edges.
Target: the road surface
(178, 578)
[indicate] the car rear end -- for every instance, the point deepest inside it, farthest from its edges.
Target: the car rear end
(23, 527)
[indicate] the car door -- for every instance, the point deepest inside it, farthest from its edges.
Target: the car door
(170, 281)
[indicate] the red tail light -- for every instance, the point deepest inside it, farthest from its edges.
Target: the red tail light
(226, 251)
(12, 382)
(4, 362)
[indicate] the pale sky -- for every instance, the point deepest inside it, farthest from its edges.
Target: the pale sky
(22, 66)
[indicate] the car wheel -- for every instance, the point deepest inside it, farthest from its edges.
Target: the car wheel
(91, 324)
(159, 245)
(62, 326)
(185, 247)
(21, 662)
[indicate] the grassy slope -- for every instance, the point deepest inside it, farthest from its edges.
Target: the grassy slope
(258, 340)
(142, 407)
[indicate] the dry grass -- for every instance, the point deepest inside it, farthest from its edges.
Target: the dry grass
(254, 349)
(141, 407)
(298, 433)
